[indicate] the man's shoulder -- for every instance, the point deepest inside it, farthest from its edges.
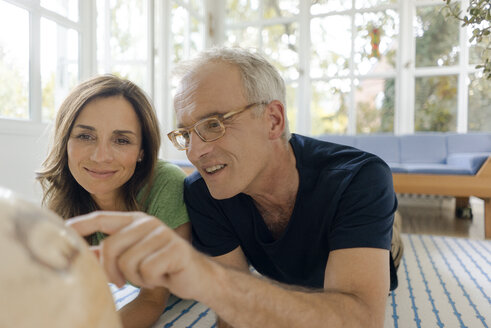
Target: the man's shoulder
(195, 188)
(321, 155)
(194, 180)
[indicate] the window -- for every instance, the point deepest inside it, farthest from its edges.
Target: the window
(184, 22)
(449, 95)
(14, 62)
(123, 40)
(367, 66)
(350, 66)
(39, 63)
(273, 27)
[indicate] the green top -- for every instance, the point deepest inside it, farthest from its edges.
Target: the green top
(165, 200)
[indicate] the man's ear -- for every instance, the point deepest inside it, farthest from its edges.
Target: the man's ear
(276, 119)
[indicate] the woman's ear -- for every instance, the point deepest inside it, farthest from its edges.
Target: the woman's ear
(140, 156)
(276, 116)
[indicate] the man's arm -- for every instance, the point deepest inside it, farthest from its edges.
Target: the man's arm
(236, 260)
(150, 254)
(356, 287)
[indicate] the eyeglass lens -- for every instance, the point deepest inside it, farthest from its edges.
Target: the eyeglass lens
(209, 130)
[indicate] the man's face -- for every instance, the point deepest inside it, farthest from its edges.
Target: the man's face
(233, 163)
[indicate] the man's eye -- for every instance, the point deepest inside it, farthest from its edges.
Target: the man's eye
(213, 125)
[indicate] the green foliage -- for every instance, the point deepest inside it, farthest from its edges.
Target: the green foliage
(479, 104)
(436, 104)
(331, 122)
(388, 106)
(48, 98)
(371, 119)
(478, 17)
(14, 102)
(439, 36)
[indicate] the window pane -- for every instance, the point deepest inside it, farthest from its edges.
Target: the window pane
(437, 38)
(67, 8)
(375, 101)
(246, 38)
(280, 44)
(478, 51)
(242, 10)
(128, 30)
(291, 105)
(280, 8)
(479, 103)
(179, 18)
(331, 46)
(436, 103)
(122, 37)
(59, 65)
(197, 6)
(329, 106)
(14, 62)
(133, 72)
(376, 41)
(325, 6)
(187, 34)
(373, 3)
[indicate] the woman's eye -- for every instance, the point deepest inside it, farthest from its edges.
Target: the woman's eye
(85, 137)
(122, 141)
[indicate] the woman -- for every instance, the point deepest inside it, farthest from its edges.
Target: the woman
(105, 157)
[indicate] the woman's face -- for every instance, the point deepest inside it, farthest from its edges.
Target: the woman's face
(104, 146)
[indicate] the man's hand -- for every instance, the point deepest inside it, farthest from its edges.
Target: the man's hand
(144, 251)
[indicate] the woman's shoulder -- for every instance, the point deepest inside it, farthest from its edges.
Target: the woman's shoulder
(164, 166)
(166, 171)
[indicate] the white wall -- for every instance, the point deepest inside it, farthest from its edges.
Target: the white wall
(23, 146)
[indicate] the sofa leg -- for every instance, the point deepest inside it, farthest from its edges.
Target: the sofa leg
(487, 218)
(463, 208)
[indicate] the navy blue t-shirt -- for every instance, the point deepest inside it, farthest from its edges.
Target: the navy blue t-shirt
(345, 199)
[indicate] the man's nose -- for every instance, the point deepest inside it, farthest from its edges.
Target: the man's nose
(103, 152)
(197, 148)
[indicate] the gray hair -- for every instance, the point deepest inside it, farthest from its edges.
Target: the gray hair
(262, 81)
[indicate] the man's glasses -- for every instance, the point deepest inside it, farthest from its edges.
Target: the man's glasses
(208, 129)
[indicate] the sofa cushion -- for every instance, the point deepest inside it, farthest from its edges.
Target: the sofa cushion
(397, 167)
(470, 161)
(469, 142)
(384, 146)
(423, 148)
(435, 168)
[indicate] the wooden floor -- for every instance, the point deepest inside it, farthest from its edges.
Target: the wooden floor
(436, 215)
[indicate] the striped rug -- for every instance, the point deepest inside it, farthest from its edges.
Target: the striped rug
(178, 313)
(443, 282)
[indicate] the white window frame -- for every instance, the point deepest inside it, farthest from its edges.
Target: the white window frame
(85, 27)
(404, 74)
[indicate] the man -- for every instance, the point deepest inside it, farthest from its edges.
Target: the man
(314, 218)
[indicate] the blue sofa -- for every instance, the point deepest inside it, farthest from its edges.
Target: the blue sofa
(429, 153)
(449, 164)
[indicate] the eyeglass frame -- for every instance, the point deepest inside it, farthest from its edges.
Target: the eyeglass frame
(220, 118)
